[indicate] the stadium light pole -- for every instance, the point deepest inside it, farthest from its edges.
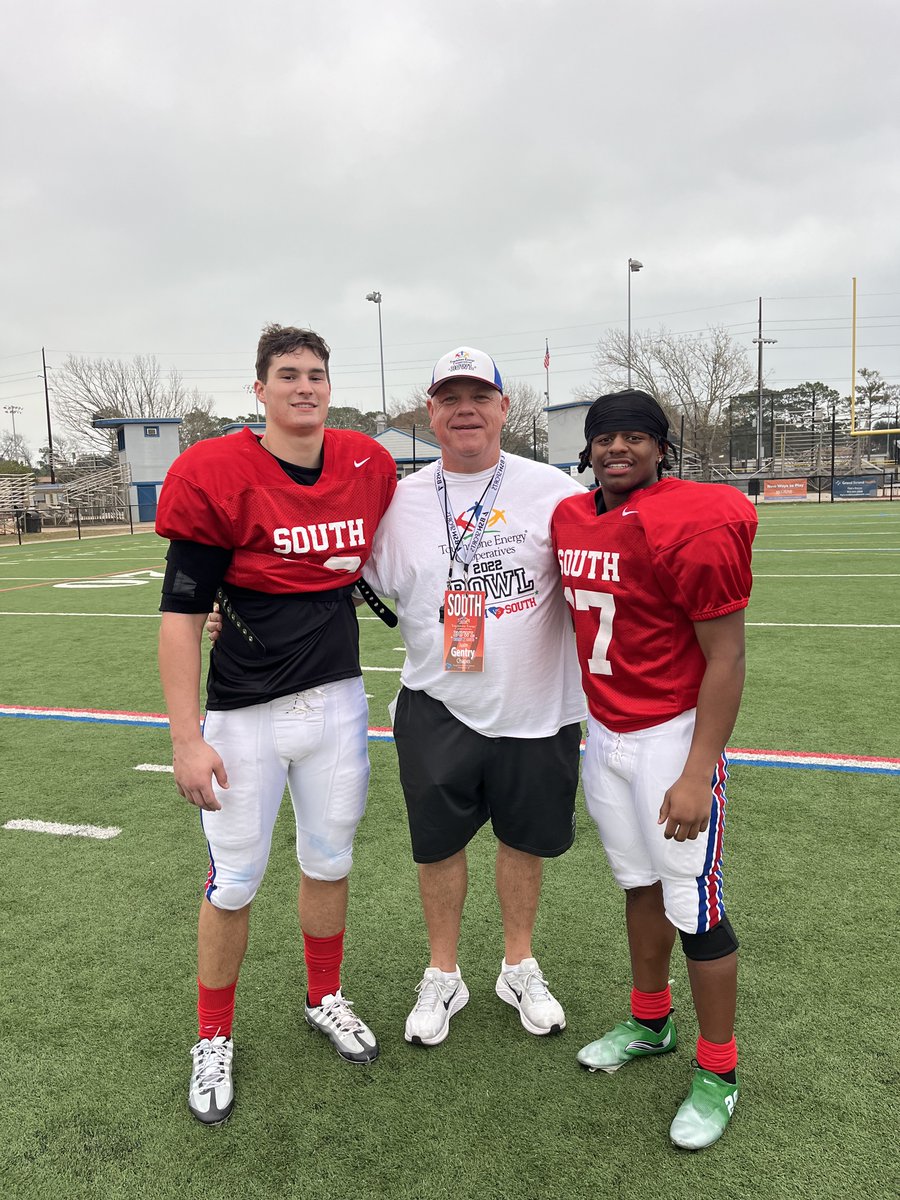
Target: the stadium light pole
(375, 297)
(633, 266)
(760, 341)
(14, 411)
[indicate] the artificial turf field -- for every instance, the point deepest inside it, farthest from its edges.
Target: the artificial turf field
(97, 998)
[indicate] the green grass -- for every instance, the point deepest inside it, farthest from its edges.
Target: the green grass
(97, 997)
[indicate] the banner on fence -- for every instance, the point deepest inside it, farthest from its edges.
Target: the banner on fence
(784, 489)
(854, 486)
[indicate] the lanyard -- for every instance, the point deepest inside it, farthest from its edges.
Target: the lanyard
(466, 552)
(481, 513)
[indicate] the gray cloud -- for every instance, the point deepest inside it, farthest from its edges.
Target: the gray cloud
(175, 176)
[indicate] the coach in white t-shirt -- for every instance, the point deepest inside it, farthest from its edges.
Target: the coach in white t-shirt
(487, 722)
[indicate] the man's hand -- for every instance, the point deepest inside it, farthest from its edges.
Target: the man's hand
(214, 624)
(686, 808)
(196, 762)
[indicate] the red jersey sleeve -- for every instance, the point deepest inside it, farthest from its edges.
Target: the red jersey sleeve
(189, 514)
(700, 543)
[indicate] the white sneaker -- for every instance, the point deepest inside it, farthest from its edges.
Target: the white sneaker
(525, 988)
(211, 1094)
(350, 1036)
(440, 996)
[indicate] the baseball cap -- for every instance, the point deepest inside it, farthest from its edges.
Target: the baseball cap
(465, 363)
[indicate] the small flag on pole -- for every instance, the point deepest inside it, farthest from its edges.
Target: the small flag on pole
(546, 355)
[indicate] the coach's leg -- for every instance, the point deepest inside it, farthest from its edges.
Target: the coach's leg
(519, 878)
(443, 886)
(521, 982)
(651, 937)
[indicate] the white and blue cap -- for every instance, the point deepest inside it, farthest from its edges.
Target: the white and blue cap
(465, 363)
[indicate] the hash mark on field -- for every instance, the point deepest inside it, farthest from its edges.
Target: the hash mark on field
(103, 832)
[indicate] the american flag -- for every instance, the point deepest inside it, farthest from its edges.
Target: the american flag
(547, 356)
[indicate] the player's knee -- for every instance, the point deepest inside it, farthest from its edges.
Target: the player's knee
(715, 943)
(319, 863)
(232, 894)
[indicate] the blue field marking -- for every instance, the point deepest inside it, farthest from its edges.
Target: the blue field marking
(795, 760)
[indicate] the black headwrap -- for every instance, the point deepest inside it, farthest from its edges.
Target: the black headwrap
(630, 410)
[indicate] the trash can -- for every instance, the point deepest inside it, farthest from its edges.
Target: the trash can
(32, 522)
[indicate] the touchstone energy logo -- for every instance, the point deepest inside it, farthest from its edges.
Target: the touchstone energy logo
(462, 361)
(469, 518)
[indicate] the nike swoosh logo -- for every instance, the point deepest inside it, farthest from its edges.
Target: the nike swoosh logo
(650, 1045)
(362, 462)
(629, 512)
(449, 999)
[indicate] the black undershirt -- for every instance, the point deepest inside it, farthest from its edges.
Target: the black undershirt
(270, 645)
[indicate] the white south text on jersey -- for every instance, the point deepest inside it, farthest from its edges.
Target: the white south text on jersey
(331, 535)
(572, 563)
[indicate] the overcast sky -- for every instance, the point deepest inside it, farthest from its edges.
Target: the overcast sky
(176, 174)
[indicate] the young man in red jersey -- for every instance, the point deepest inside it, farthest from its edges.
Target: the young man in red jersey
(278, 528)
(657, 576)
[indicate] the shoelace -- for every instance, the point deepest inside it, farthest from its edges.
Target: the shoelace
(212, 1063)
(534, 983)
(429, 995)
(340, 1013)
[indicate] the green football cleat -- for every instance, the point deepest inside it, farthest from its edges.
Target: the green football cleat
(702, 1118)
(629, 1039)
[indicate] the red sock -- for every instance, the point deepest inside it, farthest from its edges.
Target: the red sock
(719, 1057)
(651, 1006)
(215, 1010)
(323, 965)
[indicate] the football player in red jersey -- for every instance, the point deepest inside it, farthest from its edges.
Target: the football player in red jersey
(278, 529)
(656, 573)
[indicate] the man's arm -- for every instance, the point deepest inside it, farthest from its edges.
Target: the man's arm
(686, 806)
(194, 760)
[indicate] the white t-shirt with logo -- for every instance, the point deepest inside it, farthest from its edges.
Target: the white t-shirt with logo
(530, 686)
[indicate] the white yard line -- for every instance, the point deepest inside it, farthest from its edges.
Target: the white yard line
(813, 625)
(116, 616)
(103, 832)
(826, 575)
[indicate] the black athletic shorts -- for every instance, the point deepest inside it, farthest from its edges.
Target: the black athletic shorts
(454, 779)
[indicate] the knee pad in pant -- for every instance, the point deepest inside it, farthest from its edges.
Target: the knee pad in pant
(232, 891)
(317, 863)
(715, 943)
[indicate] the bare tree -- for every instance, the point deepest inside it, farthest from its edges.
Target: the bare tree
(691, 375)
(412, 410)
(525, 430)
(15, 450)
(86, 389)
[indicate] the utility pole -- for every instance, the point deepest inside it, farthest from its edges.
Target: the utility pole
(49, 427)
(760, 342)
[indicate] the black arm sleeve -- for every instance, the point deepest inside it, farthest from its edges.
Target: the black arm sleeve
(193, 573)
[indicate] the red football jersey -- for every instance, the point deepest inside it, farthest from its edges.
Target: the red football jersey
(636, 578)
(230, 492)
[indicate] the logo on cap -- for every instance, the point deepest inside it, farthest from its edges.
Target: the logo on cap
(462, 361)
